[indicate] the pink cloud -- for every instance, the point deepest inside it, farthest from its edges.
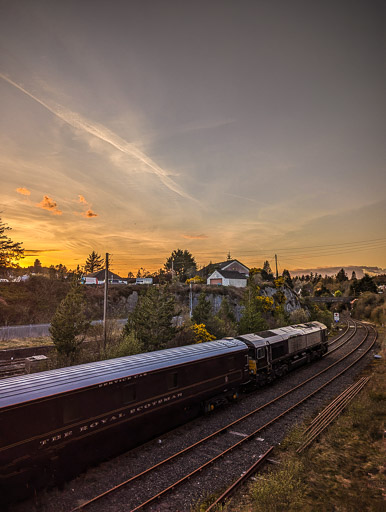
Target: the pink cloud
(89, 213)
(47, 203)
(23, 191)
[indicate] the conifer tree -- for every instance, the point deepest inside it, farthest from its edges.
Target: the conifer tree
(252, 319)
(152, 319)
(9, 251)
(341, 276)
(94, 263)
(266, 272)
(287, 278)
(202, 313)
(224, 322)
(69, 324)
(182, 263)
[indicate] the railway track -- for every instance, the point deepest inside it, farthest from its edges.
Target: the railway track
(154, 467)
(207, 451)
(12, 368)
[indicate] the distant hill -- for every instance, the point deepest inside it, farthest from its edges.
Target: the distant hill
(360, 271)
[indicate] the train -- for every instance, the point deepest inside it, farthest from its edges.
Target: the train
(56, 423)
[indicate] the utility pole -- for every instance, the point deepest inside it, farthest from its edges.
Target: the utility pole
(105, 301)
(277, 273)
(190, 300)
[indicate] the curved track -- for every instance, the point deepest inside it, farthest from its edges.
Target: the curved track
(275, 407)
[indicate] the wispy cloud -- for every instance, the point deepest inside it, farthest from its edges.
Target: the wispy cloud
(195, 237)
(23, 191)
(101, 132)
(33, 252)
(82, 199)
(47, 203)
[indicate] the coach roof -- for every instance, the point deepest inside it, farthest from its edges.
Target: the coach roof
(15, 390)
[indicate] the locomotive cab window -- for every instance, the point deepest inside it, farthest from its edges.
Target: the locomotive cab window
(172, 380)
(260, 353)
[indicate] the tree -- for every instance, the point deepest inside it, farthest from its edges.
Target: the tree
(224, 322)
(341, 276)
(287, 278)
(69, 324)
(94, 263)
(182, 264)
(75, 275)
(152, 319)
(323, 291)
(353, 275)
(252, 318)
(37, 268)
(201, 335)
(10, 251)
(61, 271)
(366, 284)
(266, 272)
(203, 311)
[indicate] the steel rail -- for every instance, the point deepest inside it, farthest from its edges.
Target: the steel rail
(253, 434)
(233, 488)
(332, 414)
(210, 436)
(342, 334)
(343, 342)
(342, 401)
(331, 406)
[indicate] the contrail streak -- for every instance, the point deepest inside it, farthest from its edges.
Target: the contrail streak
(101, 132)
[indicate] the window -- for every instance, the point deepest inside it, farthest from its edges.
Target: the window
(172, 380)
(260, 353)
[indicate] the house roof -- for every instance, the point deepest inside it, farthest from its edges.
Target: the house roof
(230, 274)
(100, 275)
(225, 264)
(219, 266)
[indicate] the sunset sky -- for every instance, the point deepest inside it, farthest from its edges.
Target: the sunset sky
(136, 127)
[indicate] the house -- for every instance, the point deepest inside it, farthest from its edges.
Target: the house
(229, 273)
(227, 278)
(113, 278)
(144, 280)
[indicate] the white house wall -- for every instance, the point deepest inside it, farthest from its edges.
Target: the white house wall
(239, 283)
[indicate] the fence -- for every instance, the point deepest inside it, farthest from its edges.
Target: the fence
(12, 332)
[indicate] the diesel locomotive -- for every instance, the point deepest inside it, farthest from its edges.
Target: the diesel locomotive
(55, 423)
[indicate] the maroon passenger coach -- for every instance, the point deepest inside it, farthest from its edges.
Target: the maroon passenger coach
(55, 423)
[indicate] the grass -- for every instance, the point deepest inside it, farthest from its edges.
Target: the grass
(25, 342)
(344, 471)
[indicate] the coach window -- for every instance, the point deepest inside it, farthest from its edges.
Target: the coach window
(172, 380)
